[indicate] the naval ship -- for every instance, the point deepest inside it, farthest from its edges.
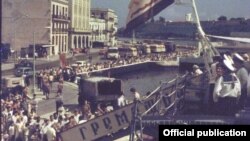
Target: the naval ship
(182, 100)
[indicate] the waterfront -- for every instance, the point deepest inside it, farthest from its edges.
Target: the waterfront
(146, 80)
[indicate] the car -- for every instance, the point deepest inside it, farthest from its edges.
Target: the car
(113, 53)
(79, 64)
(20, 71)
(103, 51)
(24, 63)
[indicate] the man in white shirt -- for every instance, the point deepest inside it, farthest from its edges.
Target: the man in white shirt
(51, 133)
(121, 100)
(227, 90)
(136, 94)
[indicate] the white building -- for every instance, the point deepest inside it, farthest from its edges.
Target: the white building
(80, 32)
(98, 27)
(40, 22)
(111, 22)
(60, 26)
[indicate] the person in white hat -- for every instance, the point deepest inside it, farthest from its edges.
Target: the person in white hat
(227, 90)
(242, 74)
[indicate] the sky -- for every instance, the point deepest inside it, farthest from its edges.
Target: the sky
(208, 9)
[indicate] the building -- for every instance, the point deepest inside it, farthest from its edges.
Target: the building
(98, 27)
(80, 32)
(60, 26)
(183, 29)
(40, 22)
(111, 22)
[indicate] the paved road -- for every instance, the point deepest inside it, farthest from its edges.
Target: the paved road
(41, 64)
(47, 107)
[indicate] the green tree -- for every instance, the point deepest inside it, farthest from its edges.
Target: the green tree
(222, 18)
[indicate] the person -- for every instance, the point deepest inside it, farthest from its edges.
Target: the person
(59, 88)
(214, 75)
(121, 101)
(246, 57)
(196, 70)
(27, 56)
(247, 66)
(227, 90)
(137, 96)
(59, 103)
(36, 55)
(242, 74)
(34, 104)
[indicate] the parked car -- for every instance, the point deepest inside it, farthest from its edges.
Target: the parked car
(79, 64)
(24, 63)
(20, 71)
(103, 51)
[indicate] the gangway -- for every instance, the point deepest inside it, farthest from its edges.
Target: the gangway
(167, 100)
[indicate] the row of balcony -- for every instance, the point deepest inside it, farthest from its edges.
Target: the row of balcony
(60, 30)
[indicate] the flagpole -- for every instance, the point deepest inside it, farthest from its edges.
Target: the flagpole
(133, 37)
(208, 52)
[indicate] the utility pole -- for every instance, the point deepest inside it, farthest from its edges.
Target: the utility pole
(34, 65)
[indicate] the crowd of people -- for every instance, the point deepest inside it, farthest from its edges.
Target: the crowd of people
(229, 83)
(20, 121)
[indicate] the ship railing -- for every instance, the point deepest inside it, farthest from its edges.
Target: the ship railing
(167, 97)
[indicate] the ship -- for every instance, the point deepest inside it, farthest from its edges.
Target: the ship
(180, 101)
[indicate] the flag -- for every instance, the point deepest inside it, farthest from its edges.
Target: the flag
(142, 10)
(63, 61)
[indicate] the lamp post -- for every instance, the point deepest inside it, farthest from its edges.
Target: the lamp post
(34, 65)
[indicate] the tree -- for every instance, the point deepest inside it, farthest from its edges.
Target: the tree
(222, 18)
(162, 19)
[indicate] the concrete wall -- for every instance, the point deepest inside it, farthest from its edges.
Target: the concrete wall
(20, 18)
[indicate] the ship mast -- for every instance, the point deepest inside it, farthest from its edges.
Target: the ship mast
(208, 50)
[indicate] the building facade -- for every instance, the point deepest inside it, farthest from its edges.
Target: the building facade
(80, 32)
(60, 26)
(40, 22)
(98, 27)
(111, 22)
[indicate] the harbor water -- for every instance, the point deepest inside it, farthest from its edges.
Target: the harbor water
(146, 80)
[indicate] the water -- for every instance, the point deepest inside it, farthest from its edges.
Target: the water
(146, 80)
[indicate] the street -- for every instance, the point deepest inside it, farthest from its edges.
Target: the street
(48, 106)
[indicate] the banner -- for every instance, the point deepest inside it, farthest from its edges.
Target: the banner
(142, 10)
(117, 120)
(63, 60)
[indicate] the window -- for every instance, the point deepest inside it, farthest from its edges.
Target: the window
(53, 9)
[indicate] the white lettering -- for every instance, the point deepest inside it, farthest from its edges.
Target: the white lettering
(166, 132)
(199, 134)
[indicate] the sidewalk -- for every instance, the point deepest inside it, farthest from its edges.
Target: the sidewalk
(40, 61)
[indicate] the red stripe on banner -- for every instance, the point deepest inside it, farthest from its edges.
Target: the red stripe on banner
(63, 61)
(148, 14)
